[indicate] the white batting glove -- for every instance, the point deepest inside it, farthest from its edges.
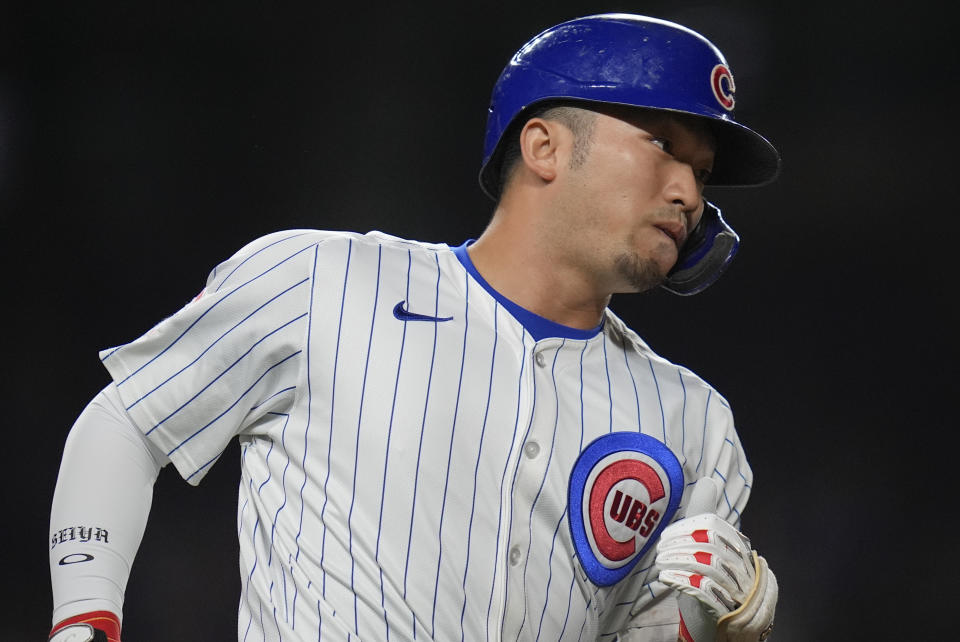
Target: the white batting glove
(728, 592)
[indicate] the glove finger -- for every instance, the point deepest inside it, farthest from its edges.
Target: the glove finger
(734, 578)
(705, 528)
(754, 620)
(715, 600)
(736, 557)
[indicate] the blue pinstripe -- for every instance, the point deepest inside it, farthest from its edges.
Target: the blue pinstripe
(579, 449)
(203, 466)
(286, 604)
(256, 560)
(263, 249)
(566, 617)
(739, 469)
(636, 394)
(243, 509)
(423, 426)
(656, 383)
(210, 347)
(386, 456)
(309, 424)
(513, 485)
(582, 425)
(503, 477)
(197, 320)
(638, 571)
(606, 369)
(241, 513)
(703, 437)
(276, 623)
(536, 498)
(583, 625)
(233, 405)
(267, 400)
(333, 399)
(476, 469)
(283, 485)
(581, 394)
(546, 591)
(453, 431)
(356, 449)
(726, 497)
(683, 418)
(224, 371)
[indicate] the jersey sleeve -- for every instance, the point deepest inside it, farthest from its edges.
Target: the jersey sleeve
(726, 462)
(234, 353)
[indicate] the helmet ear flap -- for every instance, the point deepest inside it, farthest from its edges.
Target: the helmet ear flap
(707, 252)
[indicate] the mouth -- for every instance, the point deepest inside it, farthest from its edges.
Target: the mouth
(676, 230)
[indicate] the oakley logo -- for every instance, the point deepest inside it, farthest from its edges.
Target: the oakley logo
(76, 558)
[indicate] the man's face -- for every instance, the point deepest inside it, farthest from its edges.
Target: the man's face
(628, 208)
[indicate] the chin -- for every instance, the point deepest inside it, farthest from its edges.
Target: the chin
(640, 273)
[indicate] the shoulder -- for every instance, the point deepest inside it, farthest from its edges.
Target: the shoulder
(664, 370)
(698, 420)
(334, 238)
(295, 248)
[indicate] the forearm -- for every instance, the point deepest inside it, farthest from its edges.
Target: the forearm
(100, 508)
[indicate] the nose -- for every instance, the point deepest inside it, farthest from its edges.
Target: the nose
(683, 189)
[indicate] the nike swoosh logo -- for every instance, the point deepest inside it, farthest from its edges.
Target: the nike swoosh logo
(401, 313)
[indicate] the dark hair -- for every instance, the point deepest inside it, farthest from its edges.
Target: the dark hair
(577, 118)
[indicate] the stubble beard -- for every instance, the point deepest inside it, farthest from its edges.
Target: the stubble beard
(640, 273)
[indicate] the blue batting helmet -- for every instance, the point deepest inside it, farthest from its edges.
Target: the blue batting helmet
(628, 60)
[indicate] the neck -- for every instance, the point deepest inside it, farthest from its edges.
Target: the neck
(516, 257)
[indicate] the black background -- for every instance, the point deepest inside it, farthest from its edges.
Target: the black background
(142, 143)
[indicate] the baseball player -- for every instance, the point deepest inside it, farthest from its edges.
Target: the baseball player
(462, 443)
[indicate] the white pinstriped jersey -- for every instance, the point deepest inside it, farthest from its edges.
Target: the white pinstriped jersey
(406, 477)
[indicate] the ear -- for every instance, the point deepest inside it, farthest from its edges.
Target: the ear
(541, 146)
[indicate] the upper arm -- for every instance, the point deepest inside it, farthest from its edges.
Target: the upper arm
(200, 376)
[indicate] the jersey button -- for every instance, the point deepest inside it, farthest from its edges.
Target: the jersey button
(531, 449)
(540, 359)
(515, 556)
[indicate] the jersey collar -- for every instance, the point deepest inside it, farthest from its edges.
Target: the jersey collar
(539, 327)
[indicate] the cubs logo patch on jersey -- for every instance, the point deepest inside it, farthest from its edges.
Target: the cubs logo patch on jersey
(624, 489)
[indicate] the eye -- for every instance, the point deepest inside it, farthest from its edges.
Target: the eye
(663, 144)
(703, 176)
